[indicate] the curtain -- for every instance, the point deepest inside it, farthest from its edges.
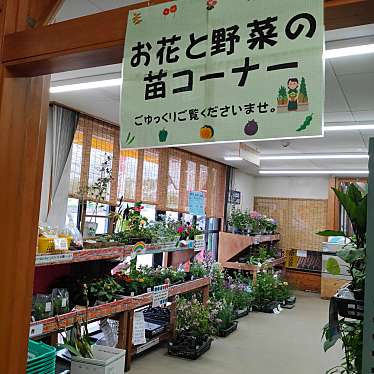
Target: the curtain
(63, 123)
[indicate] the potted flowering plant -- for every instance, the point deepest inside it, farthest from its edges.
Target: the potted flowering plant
(256, 223)
(194, 328)
(224, 316)
(239, 221)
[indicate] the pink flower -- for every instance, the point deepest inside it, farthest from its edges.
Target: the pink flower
(180, 230)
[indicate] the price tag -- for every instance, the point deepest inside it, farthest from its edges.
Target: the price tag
(301, 253)
(36, 330)
(48, 307)
(63, 302)
(160, 295)
(61, 244)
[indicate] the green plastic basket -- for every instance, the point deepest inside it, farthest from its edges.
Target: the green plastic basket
(40, 365)
(41, 358)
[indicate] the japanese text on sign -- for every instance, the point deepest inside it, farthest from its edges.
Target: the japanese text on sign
(221, 72)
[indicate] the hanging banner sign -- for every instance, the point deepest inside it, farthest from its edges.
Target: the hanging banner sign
(198, 71)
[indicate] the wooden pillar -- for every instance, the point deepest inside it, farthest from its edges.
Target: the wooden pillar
(23, 120)
(23, 124)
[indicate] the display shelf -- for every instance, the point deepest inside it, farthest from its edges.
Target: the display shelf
(107, 253)
(231, 245)
(252, 268)
(139, 349)
(128, 303)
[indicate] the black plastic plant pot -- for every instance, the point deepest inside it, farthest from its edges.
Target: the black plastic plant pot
(348, 308)
(188, 349)
(228, 331)
(291, 300)
(240, 313)
(266, 308)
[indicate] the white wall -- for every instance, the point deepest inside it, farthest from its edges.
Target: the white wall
(292, 187)
(246, 185)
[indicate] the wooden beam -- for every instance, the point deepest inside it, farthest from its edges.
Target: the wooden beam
(80, 43)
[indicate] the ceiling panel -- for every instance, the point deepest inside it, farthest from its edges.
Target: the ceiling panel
(366, 115)
(338, 117)
(353, 64)
(334, 97)
(96, 103)
(113, 4)
(288, 165)
(76, 8)
(341, 164)
(358, 89)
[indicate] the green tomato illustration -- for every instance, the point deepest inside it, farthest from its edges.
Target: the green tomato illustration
(163, 135)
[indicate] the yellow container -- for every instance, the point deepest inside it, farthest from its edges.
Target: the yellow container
(45, 245)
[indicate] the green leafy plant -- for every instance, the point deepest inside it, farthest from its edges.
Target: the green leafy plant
(351, 335)
(264, 291)
(349, 332)
(105, 290)
(78, 343)
(239, 220)
(198, 270)
(224, 315)
(355, 204)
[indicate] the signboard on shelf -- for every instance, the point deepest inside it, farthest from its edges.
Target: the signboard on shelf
(36, 330)
(160, 295)
(235, 197)
(138, 334)
(196, 203)
(205, 71)
(53, 259)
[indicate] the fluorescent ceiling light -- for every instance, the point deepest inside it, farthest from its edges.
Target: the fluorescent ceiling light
(315, 157)
(349, 128)
(233, 158)
(86, 85)
(314, 172)
(349, 51)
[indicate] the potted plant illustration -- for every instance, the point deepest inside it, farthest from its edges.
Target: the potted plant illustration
(303, 99)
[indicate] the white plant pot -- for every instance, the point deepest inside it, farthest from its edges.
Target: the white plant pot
(89, 229)
(106, 360)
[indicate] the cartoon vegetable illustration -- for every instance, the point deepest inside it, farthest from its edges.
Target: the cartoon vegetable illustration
(162, 135)
(251, 128)
(211, 4)
(206, 132)
(129, 139)
(308, 120)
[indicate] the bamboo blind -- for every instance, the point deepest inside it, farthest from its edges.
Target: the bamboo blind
(298, 220)
(161, 177)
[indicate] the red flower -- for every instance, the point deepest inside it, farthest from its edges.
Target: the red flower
(166, 12)
(173, 8)
(212, 3)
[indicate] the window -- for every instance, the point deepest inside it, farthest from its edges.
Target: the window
(161, 178)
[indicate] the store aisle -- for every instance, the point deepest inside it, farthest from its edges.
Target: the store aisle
(270, 344)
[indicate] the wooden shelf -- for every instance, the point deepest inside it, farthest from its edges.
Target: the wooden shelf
(108, 253)
(253, 268)
(136, 350)
(231, 245)
(59, 323)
